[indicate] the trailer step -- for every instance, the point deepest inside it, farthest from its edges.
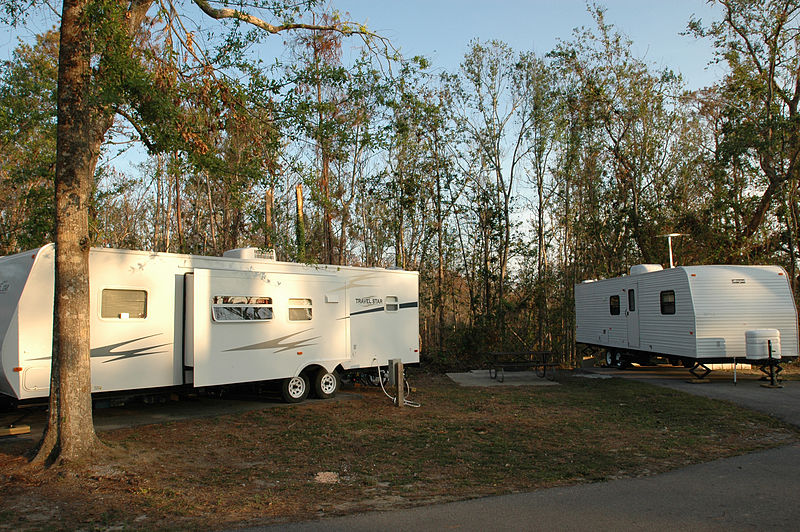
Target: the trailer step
(15, 430)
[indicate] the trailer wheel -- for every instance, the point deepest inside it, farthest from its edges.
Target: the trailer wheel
(610, 362)
(295, 389)
(326, 384)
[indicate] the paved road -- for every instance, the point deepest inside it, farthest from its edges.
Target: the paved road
(757, 491)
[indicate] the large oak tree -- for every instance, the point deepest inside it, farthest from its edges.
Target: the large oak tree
(103, 72)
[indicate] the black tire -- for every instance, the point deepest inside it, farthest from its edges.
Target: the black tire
(610, 361)
(295, 389)
(326, 384)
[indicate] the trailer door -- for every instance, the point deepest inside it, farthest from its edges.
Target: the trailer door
(632, 314)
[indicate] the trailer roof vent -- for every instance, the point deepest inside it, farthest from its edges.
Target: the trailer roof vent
(639, 269)
(250, 253)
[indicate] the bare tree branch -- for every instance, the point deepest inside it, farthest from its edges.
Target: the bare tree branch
(224, 13)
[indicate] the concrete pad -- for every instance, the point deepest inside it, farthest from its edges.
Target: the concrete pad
(480, 377)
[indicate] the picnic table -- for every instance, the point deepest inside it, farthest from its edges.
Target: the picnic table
(539, 361)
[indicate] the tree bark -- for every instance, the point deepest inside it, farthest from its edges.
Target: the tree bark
(70, 435)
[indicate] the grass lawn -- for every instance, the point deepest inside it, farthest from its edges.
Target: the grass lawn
(335, 457)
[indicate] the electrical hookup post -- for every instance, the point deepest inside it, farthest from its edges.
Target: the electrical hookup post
(397, 379)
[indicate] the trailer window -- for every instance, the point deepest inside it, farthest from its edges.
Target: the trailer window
(613, 303)
(668, 302)
(391, 304)
(123, 304)
(299, 309)
(631, 300)
(241, 308)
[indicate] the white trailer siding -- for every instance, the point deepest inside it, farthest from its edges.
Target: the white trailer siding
(140, 348)
(665, 333)
(144, 305)
(730, 300)
(34, 321)
(16, 271)
(226, 352)
(594, 322)
(713, 307)
(377, 301)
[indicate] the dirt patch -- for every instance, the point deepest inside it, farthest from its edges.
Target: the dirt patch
(329, 458)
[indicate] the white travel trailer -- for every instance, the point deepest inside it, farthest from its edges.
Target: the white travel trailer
(693, 315)
(162, 320)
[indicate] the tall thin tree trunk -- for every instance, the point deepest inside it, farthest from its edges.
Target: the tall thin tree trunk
(440, 268)
(178, 211)
(212, 218)
(269, 224)
(300, 231)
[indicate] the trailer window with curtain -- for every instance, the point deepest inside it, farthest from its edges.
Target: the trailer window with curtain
(241, 308)
(668, 302)
(299, 309)
(613, 303)
(123, 304)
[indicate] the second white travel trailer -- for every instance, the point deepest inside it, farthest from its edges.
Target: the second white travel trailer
(162, 320)
(693, 315)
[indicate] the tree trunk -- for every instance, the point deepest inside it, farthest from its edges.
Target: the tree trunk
(178, 210)
(269, 225)
(327, 218)
(300, 230)
(70, 435)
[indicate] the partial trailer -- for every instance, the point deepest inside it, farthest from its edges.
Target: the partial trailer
(693, 315)
(161, 320)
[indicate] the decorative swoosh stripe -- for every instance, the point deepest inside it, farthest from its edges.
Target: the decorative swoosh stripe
(411, 304)
(109, 350)
(368, 311)
(278, 343)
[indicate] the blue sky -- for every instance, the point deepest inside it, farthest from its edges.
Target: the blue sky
(442, 29)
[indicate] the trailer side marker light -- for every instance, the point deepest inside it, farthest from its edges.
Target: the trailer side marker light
(416, 350)
(780, 273)
(691, 332)
(299, 352)
(694, 275)
(17, 369)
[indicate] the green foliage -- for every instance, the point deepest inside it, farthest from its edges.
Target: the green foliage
(27, 145)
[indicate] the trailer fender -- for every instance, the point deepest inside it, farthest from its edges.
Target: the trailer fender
(312, 366)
